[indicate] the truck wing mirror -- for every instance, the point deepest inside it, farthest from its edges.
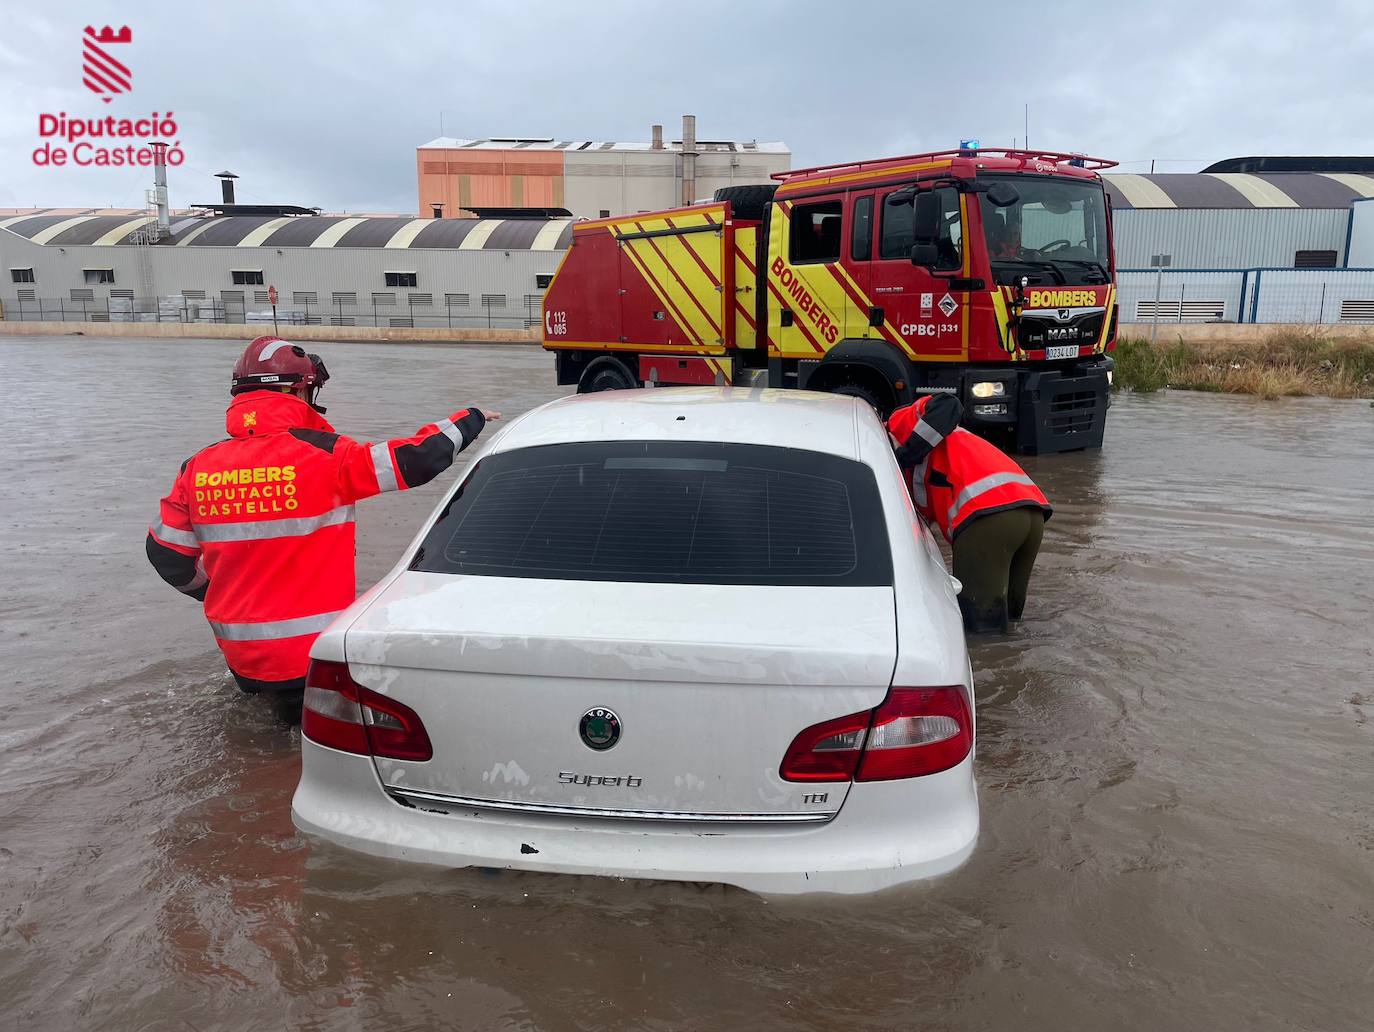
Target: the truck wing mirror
(925, 229)
(925, 255)
(901, 197)
(925, 220)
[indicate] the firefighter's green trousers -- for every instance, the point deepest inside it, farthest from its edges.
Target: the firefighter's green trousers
(993, 559)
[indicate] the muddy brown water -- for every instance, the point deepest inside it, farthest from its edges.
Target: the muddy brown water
(1175, 759)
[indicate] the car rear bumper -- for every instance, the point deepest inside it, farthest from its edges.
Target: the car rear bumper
(887, 833)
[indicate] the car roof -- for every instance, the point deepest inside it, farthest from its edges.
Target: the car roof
(808, 420)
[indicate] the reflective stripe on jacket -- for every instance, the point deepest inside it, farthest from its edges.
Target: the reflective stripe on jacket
(261, 526)
(959, 475)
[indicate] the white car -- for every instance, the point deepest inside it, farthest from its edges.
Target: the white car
(693, 634)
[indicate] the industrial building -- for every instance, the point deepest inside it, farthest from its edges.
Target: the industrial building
(585, 178)
(106, 265)
(1247, 240)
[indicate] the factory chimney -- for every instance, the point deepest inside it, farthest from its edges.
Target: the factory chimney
(689, 158)
(159, 193)
(658, 138)
(226, 186)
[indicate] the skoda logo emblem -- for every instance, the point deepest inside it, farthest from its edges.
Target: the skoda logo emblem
(599, 728)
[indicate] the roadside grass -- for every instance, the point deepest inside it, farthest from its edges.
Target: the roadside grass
(1286, 363)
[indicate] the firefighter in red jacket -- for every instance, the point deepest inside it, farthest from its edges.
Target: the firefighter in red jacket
(992, 514)
(260, 527)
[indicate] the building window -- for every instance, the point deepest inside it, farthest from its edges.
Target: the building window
(78, 294)
(543, 279)
(125, 293)
(25, 295)
(605, 213)
(1314, 260)
(344, 297)
(383, 299)
(816, 232)
(305, 297)
(193, 295)
(261, 297)
(246, 277)
(231, 295)
(493, 300)
(98, 276)
(456, 300)
(401, 279)
(21, 276)
(422, 299)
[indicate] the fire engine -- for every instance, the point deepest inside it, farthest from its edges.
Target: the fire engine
(983, 273)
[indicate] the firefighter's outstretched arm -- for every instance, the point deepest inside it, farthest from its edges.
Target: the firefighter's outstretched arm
(172, 546)
(917, 439)
(369, 469)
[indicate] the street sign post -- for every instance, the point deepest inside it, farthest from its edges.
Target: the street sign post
(272, 300)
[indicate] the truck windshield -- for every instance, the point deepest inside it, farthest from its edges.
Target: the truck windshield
(1056, 232)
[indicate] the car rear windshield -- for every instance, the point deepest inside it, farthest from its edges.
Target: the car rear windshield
(654, 511)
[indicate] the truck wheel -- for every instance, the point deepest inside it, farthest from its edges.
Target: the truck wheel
(868, 394)
(747, 202)
(605, 374)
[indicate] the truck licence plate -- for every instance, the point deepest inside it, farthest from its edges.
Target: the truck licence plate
(1062, 351)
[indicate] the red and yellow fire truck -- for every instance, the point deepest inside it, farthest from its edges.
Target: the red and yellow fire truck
(983, 273)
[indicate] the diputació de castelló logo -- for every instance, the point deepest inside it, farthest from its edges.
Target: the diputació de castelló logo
(109, 141)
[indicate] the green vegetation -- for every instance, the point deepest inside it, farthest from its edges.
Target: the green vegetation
(1287, 363)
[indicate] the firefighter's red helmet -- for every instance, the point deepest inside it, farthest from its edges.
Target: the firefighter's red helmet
(270, 362)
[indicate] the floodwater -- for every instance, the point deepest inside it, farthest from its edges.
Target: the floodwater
(1175, 759)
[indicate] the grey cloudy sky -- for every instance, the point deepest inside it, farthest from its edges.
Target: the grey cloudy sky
(324, 104)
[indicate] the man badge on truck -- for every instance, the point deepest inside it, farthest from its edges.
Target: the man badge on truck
(948, 305)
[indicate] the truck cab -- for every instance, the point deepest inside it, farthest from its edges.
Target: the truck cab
(987, 276)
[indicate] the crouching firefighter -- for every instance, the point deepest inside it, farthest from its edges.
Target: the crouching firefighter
(260, 527)
(990, 512)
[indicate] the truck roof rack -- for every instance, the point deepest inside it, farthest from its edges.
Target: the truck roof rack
(1079, 160)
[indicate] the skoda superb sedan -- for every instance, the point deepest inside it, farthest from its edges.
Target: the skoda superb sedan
(692, 634)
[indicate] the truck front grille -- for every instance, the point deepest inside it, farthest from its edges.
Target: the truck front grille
(1073, 412)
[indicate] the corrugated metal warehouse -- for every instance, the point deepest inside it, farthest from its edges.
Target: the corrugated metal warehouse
(1246, 243)
(1235, 220)
(335, 270)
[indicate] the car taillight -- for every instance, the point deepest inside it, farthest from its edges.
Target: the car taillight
(342, 714)
(915, 731)
(828, 751)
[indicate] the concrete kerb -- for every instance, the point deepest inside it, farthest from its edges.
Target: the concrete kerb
(240, 331)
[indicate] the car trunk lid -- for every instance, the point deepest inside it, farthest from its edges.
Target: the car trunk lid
(649, 700)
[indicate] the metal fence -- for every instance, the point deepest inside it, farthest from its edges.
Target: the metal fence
(1325, 296)
(454, 312)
